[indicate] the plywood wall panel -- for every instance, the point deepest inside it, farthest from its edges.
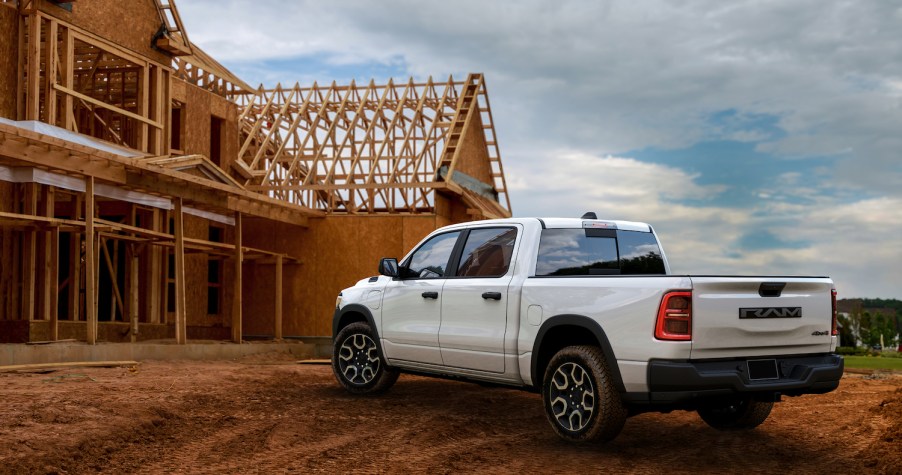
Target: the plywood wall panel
(474, 160)
(9, 57)
(196, 273)
(298, 280)
(258, 280)
(7, 192)
(130, 24)
(336, 252)
(414, 230)
(379, 238)
(197, 121)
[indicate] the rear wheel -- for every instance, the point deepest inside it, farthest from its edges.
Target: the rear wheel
(739, 414)
(581, 402)
(357, 363)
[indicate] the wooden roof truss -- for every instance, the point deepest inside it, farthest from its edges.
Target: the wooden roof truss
(363, 149)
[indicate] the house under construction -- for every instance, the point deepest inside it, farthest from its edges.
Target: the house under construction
(148, 193)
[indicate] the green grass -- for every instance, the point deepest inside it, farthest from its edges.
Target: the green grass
(873, 362)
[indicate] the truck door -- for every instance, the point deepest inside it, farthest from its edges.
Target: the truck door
(474, 301)
(411, 307)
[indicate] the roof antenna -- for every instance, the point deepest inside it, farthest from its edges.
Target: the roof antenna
(589, 215)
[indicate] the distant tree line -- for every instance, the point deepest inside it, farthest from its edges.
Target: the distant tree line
(869, 319)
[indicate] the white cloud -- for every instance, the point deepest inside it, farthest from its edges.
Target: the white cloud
(572, 82)
(852, 242)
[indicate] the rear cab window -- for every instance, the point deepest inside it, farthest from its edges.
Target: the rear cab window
(588, 251)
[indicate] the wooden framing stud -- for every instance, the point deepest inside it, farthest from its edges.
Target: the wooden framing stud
(29, 255)
(278, 302)
(236, 297)
(181, 307)
(90, 264)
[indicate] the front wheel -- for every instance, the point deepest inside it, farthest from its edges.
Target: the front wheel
(740, 414)
(356, 361)
(581, 402)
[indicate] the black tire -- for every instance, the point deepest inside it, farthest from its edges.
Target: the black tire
(357, 363)
(739, 414)
(578, 375)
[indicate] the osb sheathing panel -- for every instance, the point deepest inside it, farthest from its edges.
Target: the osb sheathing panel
(197, 122)
(230, 140)
(179, 90)
(199, 107)
(196, 278)
(9, 57)
(130, 24)
(7, 191)
(450, 210)
(258, 285)
(258, 279)
(474, 160)
(336, 251)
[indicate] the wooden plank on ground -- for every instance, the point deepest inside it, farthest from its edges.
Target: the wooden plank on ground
(77, 364)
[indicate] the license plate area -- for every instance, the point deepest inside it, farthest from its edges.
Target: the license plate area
(760, 370)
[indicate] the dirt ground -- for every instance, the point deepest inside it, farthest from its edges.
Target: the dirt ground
(268, 414)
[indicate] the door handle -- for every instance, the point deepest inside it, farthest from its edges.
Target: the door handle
(430, 295)
(491, 295)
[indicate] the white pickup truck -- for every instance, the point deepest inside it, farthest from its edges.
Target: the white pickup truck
(586, 312)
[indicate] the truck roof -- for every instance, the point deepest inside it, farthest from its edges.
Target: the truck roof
(569, 223)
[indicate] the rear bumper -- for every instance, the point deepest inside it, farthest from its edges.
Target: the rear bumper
(673, 382)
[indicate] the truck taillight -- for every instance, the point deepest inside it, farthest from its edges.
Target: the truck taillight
(833, 305)
(675, 316)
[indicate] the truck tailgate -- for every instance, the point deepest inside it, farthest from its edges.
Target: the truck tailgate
(758, 316)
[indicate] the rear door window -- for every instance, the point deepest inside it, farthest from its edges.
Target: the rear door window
(487, 252)
(566, 252)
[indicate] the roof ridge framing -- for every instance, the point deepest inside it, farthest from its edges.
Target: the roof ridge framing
(363, 148)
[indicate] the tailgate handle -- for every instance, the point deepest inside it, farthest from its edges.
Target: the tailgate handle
(771, 289)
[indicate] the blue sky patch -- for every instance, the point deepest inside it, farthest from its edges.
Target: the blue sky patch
(750, 176)
(319, 67)
(763, 240)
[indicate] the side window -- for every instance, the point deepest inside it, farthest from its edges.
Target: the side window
(487, 252)
(430, 261)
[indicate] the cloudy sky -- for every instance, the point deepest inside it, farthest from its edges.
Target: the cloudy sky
(757, 137)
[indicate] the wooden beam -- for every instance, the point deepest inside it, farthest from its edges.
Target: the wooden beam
(29, 257)
(143, 104)
(278, 302)
(90, 264)
(33, 85)
(181, 306)
(155, 256)
(50, 60)
(133, 289)
(114, 281)
(54, 284)
(51, 264)
(75, 265)
(236, 297)
(29, 151)
(106, 106)
(67, 77)
(21, 83)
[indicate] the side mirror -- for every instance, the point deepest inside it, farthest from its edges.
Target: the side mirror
(388, 266)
